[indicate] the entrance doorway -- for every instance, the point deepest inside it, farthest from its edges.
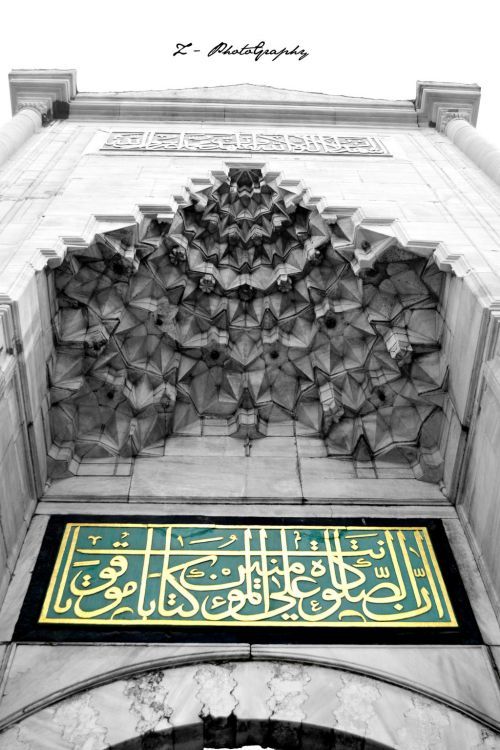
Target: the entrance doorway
(231, 733)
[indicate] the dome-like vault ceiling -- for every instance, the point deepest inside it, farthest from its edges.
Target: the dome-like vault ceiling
(248, 307)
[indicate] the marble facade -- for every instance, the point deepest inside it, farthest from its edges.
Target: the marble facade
(248, 302)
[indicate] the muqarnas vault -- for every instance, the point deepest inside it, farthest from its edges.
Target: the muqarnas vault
(248, 306)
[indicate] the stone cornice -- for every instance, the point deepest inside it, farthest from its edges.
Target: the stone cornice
(438, 103)
(47, 91)
(53, 93)
(299, 112)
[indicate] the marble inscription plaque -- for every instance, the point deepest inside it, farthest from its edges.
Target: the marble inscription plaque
(283, 143)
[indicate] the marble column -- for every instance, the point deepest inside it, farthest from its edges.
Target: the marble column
(483, 153)
(18, 130)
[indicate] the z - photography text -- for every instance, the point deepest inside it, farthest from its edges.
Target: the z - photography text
(259, 51)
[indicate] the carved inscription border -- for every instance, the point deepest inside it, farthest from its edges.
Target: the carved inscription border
(255, 142)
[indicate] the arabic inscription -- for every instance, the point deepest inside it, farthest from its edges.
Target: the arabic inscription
(297, 143)
(182, 574)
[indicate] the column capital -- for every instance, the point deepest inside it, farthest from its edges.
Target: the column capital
(49, 92)
(438, 103)
(445, 114)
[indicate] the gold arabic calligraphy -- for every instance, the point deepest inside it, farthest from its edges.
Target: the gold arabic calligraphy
(252, 575)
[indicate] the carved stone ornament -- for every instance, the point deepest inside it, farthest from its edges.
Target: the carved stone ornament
(42, 106)
(446, 114)
(250, 308)
(39, 106)
(159, 141)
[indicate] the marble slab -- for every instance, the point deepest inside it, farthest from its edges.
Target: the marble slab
(209, 478)
(102, 489)
(323, 480)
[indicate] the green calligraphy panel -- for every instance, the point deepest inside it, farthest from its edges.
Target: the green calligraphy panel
(210, 574)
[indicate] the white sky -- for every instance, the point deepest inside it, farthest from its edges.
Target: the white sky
(372, 48)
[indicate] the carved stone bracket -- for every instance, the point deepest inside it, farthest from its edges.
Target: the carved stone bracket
(437, 103)
(47, 91)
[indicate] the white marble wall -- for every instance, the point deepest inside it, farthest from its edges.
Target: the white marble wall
(59, 183)
(17, 497)
(29, 182)
(51, 191)
(479, 505)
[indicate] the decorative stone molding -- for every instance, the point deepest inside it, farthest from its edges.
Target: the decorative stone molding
(248, 307)
(47, 91)
(243, 104)
(437, 103)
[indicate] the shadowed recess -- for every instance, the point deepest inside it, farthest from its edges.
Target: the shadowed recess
(230, 733)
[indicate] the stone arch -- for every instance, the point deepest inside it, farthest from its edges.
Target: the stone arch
(243, 702)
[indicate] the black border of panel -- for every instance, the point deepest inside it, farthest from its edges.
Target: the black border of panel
(29, 630)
